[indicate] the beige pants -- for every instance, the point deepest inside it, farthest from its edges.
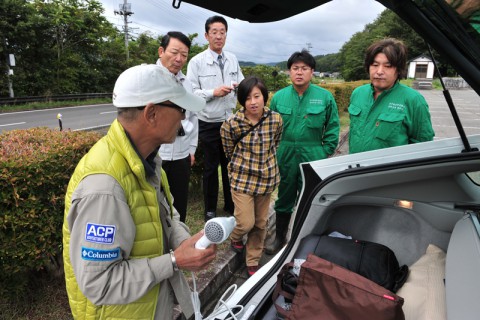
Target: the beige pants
(251, 214)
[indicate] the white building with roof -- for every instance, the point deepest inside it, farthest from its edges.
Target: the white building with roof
(421, 67)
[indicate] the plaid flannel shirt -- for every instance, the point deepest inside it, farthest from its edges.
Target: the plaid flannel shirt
(253, 167)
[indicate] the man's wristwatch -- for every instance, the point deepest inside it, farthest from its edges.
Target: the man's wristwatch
(174, 261)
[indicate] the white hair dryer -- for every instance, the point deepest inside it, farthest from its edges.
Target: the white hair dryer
(216, 231)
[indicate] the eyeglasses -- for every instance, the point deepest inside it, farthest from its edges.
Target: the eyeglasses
(303, 69)
(172, 105)
(168, 105)
(216, 33)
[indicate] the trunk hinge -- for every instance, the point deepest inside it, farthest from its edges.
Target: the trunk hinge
(451, 106)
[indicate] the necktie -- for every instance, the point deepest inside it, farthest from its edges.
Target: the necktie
(220, 62)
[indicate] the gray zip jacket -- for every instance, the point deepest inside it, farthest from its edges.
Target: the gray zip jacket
(130, 279)
(204, 73)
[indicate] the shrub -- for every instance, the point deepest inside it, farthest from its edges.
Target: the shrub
(342, 92)
(35, 167)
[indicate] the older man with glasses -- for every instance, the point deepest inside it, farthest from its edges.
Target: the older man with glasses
(178, 157)
(124, 248)
(214, 74)
(310, 132)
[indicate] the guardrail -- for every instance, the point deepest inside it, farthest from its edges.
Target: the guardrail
(65, 97)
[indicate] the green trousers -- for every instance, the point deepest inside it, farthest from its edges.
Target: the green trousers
(290, 180)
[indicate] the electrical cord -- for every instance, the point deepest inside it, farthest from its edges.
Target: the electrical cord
(221, 303)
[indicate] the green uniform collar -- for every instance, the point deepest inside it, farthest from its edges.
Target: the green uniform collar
(385, 92)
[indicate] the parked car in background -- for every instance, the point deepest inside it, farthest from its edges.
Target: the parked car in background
(407, 197)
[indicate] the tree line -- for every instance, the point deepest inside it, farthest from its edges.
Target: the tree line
(68, 46)
(349, 60)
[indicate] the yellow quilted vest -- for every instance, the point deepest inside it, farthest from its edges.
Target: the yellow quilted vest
(114, 155)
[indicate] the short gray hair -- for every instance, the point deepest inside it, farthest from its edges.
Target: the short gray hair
(129, 114)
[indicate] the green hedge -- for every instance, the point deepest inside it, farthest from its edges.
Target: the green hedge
(342, 92)
(35, 167)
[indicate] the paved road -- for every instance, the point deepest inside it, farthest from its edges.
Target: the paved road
(467, 104)
(74, 118)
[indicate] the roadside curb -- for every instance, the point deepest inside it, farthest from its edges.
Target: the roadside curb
(211, 281)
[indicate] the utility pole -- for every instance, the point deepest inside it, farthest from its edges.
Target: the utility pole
(10, 63)
(125, 11)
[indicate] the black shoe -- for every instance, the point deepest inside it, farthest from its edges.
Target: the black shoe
(209, 215)
(228, 210)
(273, 248)
(281, 226)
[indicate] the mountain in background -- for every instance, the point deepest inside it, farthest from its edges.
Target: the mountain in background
(325, 63)
(253, 64)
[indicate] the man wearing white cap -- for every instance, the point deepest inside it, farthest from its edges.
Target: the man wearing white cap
(123, 244)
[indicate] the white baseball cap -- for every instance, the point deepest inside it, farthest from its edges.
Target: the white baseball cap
(150, 83)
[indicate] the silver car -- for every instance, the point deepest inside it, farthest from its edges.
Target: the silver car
(408, 197)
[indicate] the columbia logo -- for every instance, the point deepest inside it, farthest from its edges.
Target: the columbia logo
(100, 255)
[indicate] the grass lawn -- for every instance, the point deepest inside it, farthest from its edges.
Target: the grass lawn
(50, 105)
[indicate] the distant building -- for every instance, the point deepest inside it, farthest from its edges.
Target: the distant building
(335, 75)
(421, 67)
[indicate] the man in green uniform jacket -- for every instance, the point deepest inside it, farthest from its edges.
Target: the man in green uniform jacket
(310, 132)
(386, 113)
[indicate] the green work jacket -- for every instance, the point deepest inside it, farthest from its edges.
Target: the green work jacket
(310, 124)
(397, 117)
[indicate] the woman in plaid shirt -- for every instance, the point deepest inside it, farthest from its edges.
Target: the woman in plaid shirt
(250, 139)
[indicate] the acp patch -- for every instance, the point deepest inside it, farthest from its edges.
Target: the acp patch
(100, 233)
(100, 255)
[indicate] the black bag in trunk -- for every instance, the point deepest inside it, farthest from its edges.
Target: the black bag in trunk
(371, 260)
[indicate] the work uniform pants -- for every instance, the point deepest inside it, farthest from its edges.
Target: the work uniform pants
(178, 174)
(251, 215)
(290, 181)
(209, 135)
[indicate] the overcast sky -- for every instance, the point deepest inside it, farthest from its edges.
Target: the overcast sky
(321, 30)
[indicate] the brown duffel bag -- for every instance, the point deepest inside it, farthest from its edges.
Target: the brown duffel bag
(326, 291)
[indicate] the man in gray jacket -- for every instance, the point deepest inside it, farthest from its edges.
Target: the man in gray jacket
(214, 74)
(124, 248)
(178, 157)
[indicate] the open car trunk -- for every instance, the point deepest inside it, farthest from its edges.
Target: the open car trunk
(406, 205)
